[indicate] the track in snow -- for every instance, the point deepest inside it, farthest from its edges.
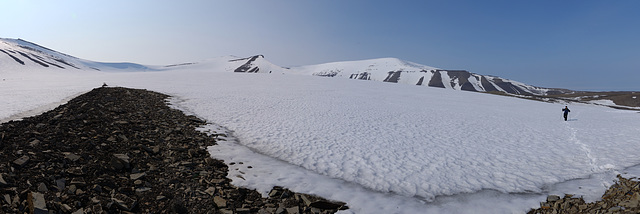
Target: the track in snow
(593, 162)
(585, 148)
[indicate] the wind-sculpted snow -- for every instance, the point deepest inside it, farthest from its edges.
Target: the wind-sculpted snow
(411, 142)
(416, 141)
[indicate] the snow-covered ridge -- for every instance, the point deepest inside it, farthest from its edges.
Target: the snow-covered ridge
(21, 55)
(399, 71)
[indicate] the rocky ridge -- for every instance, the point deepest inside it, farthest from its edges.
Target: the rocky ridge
(119, 150)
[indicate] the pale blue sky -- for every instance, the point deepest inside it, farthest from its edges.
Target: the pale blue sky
(575, 44)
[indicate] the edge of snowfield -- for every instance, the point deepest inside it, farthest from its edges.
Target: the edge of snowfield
(594, 143)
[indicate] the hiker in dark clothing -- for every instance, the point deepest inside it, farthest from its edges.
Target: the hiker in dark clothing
(566, 112)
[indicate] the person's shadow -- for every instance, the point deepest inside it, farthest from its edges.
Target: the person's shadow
(572, 120)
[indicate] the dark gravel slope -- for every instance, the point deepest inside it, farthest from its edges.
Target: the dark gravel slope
(119, 150)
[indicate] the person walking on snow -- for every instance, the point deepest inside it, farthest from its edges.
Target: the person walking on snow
(566, 112)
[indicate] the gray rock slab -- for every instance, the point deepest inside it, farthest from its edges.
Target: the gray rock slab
(61, 184)
(2, 181)
(293, 210)
(21, 161)
(211, 191)
(219, 201)
(7, 198)
(120, 161)
(42, 187)
(37, 203)
(71, 156)
(552, 198)
(80, 211)
(136, 176)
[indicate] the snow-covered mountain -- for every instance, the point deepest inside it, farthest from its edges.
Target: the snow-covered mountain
(19, 54)
(399, 71)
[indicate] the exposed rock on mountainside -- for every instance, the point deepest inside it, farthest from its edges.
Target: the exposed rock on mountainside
(248, 67)
(466, 81)
(34, 53)
(117, 150)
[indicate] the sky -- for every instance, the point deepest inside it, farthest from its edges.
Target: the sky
(580, 45)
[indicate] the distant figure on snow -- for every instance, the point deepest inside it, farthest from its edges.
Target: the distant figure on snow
(566, 112)
(104, 84)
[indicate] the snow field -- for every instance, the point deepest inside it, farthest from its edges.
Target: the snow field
(29, 93)
(379, 140)
(366, 134)
(381, 147)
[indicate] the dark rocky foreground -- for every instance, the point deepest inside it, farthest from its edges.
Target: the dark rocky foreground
(119, 150)
(622, 197)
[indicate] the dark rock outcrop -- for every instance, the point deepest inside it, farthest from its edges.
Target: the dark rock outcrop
(436, 80)
(622, 197)
(13, 57)
(248, 67)
(393, 76)
(463, 79)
